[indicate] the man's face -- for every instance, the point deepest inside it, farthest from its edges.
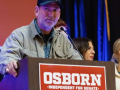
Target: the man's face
(47, 15)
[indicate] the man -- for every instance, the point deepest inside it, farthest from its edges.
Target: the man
(39, 39)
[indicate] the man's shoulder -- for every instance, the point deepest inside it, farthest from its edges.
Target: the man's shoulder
(22, 29)
(25, 29)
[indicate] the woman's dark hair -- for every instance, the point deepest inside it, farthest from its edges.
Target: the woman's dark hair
(82, 44)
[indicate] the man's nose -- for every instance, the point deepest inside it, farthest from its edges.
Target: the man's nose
(51, 13)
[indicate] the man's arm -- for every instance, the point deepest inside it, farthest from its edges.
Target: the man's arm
(10, 54)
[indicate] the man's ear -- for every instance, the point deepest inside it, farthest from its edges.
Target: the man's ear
(36, 11)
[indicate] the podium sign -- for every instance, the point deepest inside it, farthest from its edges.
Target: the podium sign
(71, 77)
(61, 74)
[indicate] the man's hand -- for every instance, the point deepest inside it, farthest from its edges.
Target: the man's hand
(10, 68)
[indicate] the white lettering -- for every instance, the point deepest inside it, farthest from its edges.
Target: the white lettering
(90, 88)
(46, 81)
(57, 78)
(85, 78)
(61, 87)
(94, 78)
(66, 78)
(72, 79)
(77, 78)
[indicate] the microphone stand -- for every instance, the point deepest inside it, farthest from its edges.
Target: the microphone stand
(72, 42)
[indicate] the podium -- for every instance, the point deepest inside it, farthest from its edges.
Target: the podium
(29, 75)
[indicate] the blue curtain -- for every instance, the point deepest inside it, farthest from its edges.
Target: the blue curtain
(104, 52)
(102, 39)
(87, 18)
(80, 28)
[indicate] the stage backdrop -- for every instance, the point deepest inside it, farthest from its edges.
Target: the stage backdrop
(14, 14)
(86, 18)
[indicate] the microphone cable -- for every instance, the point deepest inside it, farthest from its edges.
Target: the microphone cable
(72, 42)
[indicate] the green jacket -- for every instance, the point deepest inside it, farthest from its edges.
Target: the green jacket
(25, 41)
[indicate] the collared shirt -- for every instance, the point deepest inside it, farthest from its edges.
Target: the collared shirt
(48, 42)
(21, 43)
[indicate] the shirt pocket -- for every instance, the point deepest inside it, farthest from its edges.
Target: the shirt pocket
(60, 55)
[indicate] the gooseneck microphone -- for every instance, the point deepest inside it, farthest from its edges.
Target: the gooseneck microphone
(72, 42)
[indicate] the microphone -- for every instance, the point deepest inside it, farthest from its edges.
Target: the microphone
(72, 42)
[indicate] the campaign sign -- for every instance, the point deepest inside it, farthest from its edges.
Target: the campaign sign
(71, 77)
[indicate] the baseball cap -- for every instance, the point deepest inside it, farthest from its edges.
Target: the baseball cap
(43, 2)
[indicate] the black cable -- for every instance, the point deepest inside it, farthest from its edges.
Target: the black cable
(72, 42)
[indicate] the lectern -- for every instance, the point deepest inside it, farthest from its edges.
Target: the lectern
(61, 74)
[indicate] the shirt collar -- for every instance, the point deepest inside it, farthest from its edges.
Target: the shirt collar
(37, 27)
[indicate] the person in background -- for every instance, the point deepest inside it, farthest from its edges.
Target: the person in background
(38, 39)
(85, 47)
(116, 58)
(62, 24)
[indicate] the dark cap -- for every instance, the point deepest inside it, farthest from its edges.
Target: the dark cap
(43, 2)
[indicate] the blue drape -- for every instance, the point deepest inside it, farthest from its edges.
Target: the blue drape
(104, 52)
(80, 28)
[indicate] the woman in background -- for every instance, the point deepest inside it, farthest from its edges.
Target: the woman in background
(85, 47)
(116, 59)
